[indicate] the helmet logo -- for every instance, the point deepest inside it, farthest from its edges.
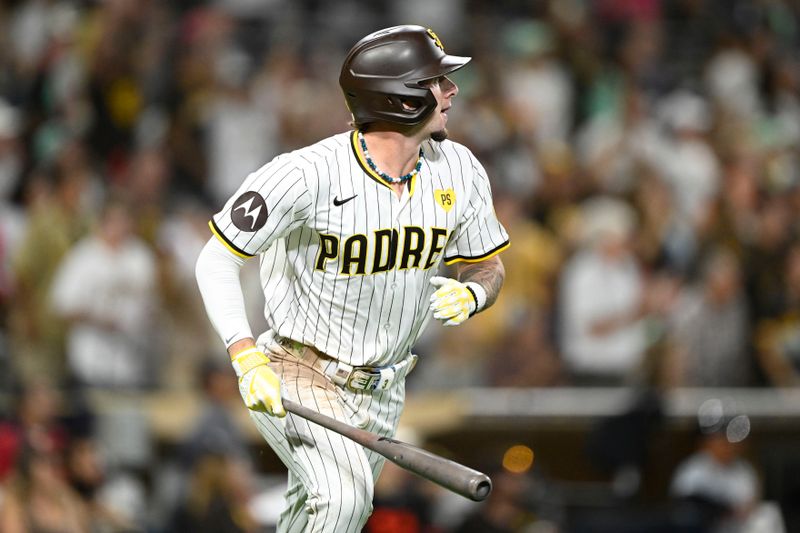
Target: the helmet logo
(436, 39)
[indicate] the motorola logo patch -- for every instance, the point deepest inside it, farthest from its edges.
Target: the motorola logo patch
(249, 212)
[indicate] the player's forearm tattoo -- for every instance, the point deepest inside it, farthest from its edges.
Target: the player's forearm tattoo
(490, 274)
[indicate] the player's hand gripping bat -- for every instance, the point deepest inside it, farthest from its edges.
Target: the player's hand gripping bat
(462, 480)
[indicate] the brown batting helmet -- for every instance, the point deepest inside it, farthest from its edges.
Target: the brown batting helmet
(387, 68)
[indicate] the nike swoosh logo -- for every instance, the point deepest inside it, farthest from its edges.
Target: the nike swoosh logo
(229, 338)
(338, 202)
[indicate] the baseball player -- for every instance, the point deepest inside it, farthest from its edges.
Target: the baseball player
(350, 233)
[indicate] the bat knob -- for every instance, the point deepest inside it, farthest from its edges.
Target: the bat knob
(480, 487)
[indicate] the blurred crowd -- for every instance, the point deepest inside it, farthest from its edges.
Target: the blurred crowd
(644, 156)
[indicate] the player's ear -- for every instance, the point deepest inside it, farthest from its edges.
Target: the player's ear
(408, 105)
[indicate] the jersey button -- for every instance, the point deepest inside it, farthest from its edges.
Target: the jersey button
(387, 326)
(394, 285)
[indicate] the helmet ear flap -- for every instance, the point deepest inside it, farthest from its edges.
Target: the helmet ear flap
(371, 106)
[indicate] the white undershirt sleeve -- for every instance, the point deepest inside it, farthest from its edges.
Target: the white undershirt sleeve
(217, 271)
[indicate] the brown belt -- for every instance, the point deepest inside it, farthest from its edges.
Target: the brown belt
(355, 378)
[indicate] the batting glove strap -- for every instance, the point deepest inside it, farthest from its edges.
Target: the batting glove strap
(248, 359)
(479, 293)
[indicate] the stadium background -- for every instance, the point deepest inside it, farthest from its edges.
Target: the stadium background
(644, 157)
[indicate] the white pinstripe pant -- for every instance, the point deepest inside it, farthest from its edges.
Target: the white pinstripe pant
(331, 478)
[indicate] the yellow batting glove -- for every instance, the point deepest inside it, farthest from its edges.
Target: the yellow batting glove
(259, 386)
(453, 302)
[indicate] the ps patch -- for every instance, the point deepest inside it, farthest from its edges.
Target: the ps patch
(446, 198)
(249, 212)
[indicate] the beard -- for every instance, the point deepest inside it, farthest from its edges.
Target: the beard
(440, 135)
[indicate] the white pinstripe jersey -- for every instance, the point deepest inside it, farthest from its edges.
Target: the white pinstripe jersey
(345, 263)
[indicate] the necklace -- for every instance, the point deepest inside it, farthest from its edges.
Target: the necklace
(384, 175)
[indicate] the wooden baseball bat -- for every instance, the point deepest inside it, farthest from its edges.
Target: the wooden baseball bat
(454, 476)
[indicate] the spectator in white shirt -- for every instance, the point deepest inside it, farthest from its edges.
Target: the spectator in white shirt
(604, 297)
(105, 288)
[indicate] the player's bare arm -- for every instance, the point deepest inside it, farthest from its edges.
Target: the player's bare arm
(489, 274)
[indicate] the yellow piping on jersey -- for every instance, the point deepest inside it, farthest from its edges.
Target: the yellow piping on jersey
(224, 241)
(478, 259)
(371, 173)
